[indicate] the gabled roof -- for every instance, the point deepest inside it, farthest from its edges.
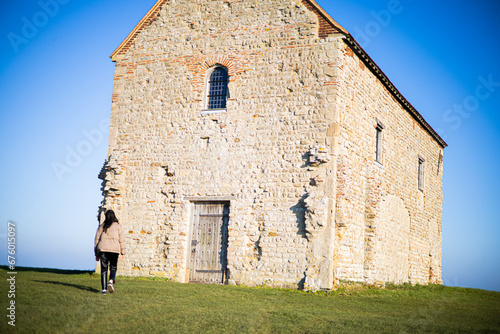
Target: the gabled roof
(327, 26)
(149, 18)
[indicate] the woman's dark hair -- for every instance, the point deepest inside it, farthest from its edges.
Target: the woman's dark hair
(110, 219)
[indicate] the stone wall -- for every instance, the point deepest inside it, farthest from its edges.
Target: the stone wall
(294, 153)
(382, 216)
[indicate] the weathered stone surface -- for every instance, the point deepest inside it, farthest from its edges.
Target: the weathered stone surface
(294, 153)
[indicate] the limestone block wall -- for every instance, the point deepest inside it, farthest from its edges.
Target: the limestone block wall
(387, 229)
(165, 153)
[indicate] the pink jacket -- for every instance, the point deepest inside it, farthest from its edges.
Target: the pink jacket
(113, 240)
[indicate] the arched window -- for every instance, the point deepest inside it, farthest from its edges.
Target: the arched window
(217, 88)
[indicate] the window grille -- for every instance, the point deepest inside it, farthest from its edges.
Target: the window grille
(217, 93)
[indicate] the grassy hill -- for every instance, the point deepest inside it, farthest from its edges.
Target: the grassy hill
(54, 301)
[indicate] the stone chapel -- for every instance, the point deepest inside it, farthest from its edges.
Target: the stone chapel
(256, 143)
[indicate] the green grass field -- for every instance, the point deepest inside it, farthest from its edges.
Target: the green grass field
(53, 301)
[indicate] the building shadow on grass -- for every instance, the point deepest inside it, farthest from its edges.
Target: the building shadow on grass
(77, 286)
(51, 270)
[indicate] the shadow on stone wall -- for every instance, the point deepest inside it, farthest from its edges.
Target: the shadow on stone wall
(299, 210)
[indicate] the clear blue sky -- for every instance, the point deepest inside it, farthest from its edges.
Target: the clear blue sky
(56, 84)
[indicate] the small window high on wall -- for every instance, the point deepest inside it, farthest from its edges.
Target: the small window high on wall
(378, 142)
(217, 88)
(421, 173)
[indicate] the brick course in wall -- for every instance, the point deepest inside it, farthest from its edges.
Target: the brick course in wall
(293, 153)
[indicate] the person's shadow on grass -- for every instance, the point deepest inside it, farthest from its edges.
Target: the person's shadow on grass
(77, 286)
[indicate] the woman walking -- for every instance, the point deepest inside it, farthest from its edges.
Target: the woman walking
(108, 244)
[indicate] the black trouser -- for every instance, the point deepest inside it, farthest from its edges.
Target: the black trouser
(113, 262)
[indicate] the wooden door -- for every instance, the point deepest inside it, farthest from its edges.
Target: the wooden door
(208, 253)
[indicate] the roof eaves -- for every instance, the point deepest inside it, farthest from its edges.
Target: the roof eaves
(368, 61)
(378, 72)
